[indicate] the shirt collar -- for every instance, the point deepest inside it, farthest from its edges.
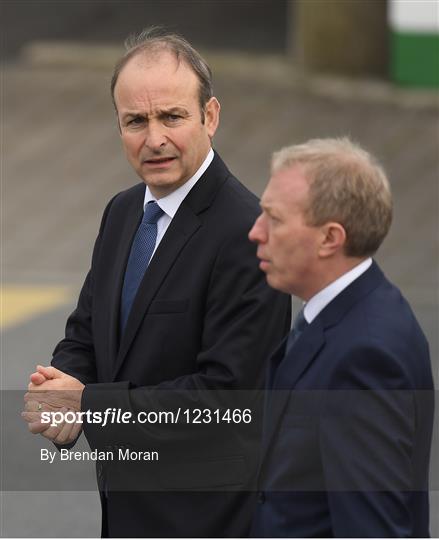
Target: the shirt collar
(320, 300)
(171, 202)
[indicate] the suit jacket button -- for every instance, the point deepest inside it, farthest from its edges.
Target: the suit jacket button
(261, 497)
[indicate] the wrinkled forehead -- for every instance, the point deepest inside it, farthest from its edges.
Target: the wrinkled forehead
(158, 75)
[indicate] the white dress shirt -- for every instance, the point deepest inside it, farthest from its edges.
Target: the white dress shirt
(171, 202)
(320, 300)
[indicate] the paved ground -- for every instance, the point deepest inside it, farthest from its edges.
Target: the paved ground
(62, 161)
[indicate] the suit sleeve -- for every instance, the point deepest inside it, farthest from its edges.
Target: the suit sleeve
(75, 354)
(366, 444)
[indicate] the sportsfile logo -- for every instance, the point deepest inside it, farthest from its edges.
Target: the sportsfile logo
(117, 416)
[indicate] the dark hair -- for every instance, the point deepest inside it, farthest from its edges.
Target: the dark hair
(155, 39)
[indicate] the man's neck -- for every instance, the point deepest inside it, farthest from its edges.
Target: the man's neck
(333, 272)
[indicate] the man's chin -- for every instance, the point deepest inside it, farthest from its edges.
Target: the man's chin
(161, 185)
(276, 284)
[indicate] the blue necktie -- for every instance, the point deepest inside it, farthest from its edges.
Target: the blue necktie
(299, 326)
(140, 255)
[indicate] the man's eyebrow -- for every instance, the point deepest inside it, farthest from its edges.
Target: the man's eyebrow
(270, 208)
(174, 110)
(162, 112)
(133, 114)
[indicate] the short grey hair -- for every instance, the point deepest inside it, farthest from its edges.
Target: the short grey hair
(155, 40)
(346, 185)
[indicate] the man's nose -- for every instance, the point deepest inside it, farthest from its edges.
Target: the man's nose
(156, 137)
(257, 233)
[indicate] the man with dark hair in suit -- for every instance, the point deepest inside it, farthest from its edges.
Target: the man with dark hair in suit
(349, 411)
(173, 314)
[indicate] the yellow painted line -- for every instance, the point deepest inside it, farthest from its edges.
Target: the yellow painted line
(19, 303)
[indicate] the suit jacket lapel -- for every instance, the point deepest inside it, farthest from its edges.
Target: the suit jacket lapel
(182, 227)
(297, 360)
(288, 371)
(274, 362)
(130, 225)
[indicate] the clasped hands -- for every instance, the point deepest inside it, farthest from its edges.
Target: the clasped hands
(52, 390)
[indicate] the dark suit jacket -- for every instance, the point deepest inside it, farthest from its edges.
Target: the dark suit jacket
(202, 326)
(348, 422)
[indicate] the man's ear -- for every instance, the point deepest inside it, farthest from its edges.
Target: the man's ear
(211, 116)
(333, 239)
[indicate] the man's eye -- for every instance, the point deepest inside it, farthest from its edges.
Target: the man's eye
(172, 117)
(136, 121)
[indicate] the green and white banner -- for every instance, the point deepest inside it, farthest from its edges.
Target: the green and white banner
(414, 27)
